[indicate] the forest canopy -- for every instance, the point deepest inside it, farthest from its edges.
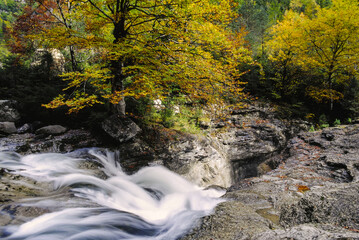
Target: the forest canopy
(301, 55)
(139, 49)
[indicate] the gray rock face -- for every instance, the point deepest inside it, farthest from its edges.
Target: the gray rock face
(7, 128)
(313, 194)
(335, 204)
(8, 111)
(51, 130)
(253, 139)
(121, 129)
(232, 220)
(246, 145)
(249, 146)
(200, 161)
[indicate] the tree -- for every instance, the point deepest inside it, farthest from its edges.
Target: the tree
(147, 49)
(38, 17)
(256, 16)
(325, 45)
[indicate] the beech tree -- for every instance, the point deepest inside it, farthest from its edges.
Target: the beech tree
(326, 45)
(146, 49)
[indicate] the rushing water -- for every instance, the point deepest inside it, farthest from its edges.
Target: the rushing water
(153, 203)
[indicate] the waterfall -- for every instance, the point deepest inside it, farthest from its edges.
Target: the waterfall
(106, 203)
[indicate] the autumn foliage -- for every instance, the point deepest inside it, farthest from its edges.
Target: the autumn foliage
(324, 44)
(139, 49)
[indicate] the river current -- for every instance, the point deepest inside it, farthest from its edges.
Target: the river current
(105, 203)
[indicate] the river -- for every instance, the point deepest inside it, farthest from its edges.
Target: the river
(105, 203)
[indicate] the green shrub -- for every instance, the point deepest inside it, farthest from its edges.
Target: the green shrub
(336, 122)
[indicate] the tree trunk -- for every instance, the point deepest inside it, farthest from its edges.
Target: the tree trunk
(73, 59)
(117, 85)
(117, 66)
(330, 81)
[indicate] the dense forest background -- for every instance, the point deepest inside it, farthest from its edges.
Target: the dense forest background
(299, 55)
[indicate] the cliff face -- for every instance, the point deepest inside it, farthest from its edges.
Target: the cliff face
(248, 144)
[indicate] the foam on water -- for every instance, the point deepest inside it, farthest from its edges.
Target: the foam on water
(153, 203)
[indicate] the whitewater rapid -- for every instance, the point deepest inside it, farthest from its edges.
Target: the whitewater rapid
(153, 203)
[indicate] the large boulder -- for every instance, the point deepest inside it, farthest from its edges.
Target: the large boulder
(51, 130)
(8, 111)
(121, 129)
(7, 128)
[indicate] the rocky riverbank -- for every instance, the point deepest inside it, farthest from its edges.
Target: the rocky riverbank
(313, 194)
(282, 181)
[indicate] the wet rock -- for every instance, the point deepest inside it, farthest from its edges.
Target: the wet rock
(7, 128)
(121, 129)
(31, 143)
(8, 111)
(51, 130)
(197, 158)
(67, 142)
(328, 135)
(26, 128)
